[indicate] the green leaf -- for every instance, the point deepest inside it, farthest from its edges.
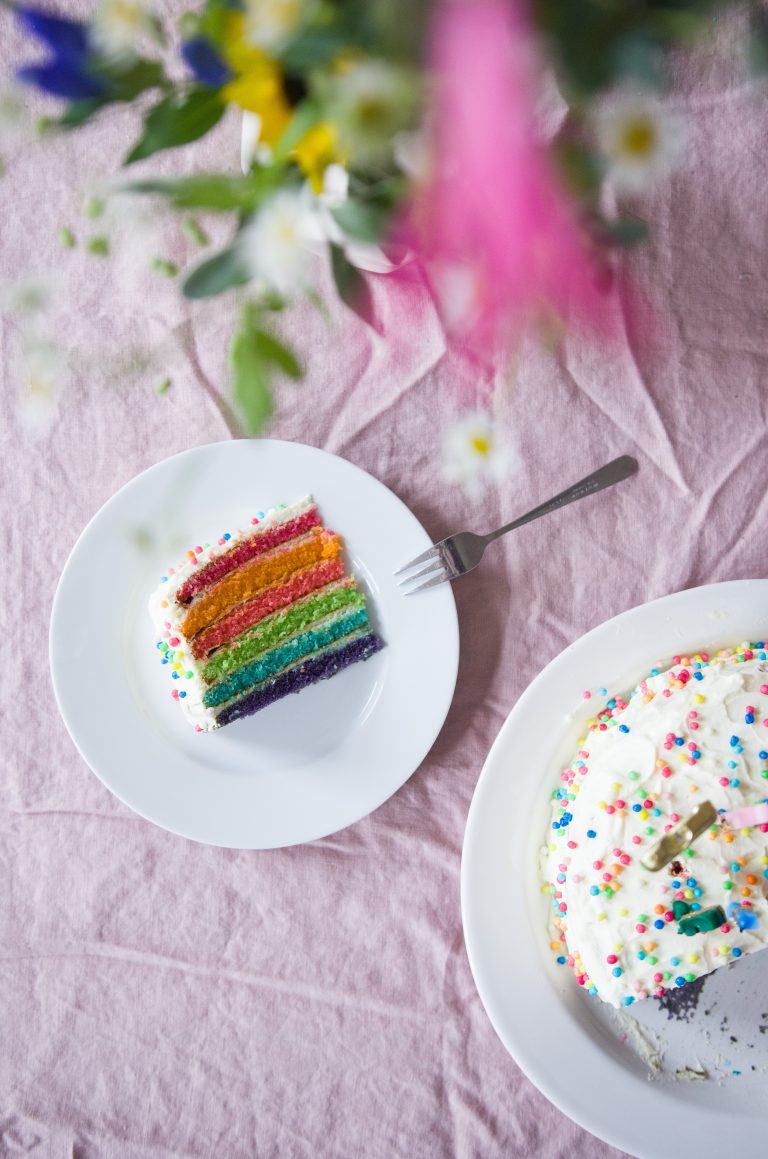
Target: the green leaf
(359, 220)
(219, 273)
(139, 76)
(79, 112)
(626, 232)
(350, 284)
(203, 191)
(305, 116)
(177, 121)
(274, 352)
(250, 383)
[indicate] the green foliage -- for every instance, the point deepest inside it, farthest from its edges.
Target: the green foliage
(366, 221)
(219, 273)
(177, 120)
(351, 286)
(255, 356)
(203, 191)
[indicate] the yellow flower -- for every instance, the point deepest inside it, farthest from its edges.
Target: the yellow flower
(316, 150)
(258, 85)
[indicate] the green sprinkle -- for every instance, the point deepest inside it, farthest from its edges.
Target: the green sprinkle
(667, 975)
(651, 960)
(67, 238)
(727, 885)
(98, 246)
(634, 776)
(164, 266)
(690, 977)
(649, 832)
(690, 853)
(164, 386)
(94, 207)
(764, 774)
(608, 891)
(194, 231)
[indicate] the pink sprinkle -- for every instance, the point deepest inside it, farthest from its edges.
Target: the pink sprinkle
(666, 771)
(174, 641)
(563, 908)
(597, 865)
(670, 736)
(691, 760)
(637, 840)
(581, 979)
(611, 959)
(625, 859)
(621, 804)
(676, 659)
(175, 693)
(668, 745)
(748, 654)
(198, 550)
(705, 656)
(658, 978)
(171, 571)
(725, 928)
(167, 624)
(640, 928)
(668, 916)
(617, 853)
(607, 876)
(254, 522)
(765, 723)
(764, 689)
(572, 845)
(610, 809)
(569, 960)
(666, 692)
(667, 828)
(648, 803)
(693, 725)
(587, 695)
(674, 817)
(723, 781)
(750, 708)
(693, 713)
(691, 746)
(749, 815)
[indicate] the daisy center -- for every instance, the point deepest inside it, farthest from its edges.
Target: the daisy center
(481, 444)
(638, 138)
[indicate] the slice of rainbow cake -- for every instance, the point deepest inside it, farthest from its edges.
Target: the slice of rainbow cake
(261, 613)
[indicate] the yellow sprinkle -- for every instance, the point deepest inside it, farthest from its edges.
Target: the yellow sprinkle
(693, 959)
(724, 951)
(623, 913)
(554, 945)
(616, 786)
(688, 894)
(649, 947)
(643, 814)
(602, 916)
(764, 860)
(699, 699)
(693, 788)
(601, 805)
(746, 832)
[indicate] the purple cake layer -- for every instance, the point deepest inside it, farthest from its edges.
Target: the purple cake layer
(310, 672)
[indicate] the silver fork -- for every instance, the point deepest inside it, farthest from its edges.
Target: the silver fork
(459, 553)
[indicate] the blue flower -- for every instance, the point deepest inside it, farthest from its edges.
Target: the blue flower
(205, 62)
(68, 70)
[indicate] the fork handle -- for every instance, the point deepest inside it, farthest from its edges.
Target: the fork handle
(611, 473)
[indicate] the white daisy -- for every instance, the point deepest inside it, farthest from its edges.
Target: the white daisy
(274, 245)
(270, 24)
(473, 454)
(369, 102)
(42, 371)
(640, 140)
(119, 27)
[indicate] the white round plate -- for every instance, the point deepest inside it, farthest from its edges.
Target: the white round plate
(574, 1048)
(309, 764)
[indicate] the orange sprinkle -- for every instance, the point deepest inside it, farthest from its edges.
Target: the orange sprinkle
(746, 891)
(751, 879)
(263, 572)
(658, 909)
(728, 838)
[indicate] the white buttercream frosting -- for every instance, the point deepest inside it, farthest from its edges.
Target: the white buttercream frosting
(695, 732)
(167, 615)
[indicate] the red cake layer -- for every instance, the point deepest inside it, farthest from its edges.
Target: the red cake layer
(271, 600)
(255, 545)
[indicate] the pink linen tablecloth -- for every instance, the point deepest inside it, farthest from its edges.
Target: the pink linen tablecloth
(160, 998)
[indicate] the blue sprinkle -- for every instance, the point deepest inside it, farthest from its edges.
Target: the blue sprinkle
(659, 924)
(592, 991)
(627, 1001)
(733, 741)
(735, 867)
(636, 808)
(611, 703)
(623, 728)
(737, 954)
(591, 833)
(226, 535)
(679, 981)
(594, 890)
(641, 955)
(175, 675)
(749, 718)
(560, 876)
(181, 695)
(675, 961)
(697, 891)
(654, 672)
(159, 644)
(762, 655)
(735, 782)
(698, 676)
(259, 514)
(696, 754)
(163, 579)
(555, 824)
(560, 960)
(759, 644)
(567, 817)
(656, 812)
(695, 905)
(732, 765)
(164, 660)
(675, 884)
(763, 755)
(690, 881)
(616, 971)
(679, 741)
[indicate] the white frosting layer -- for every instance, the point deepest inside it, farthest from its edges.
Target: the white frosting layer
(635, 775)
(167, 615)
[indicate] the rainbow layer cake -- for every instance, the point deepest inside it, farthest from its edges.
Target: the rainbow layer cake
(657, 852)
(262, 613)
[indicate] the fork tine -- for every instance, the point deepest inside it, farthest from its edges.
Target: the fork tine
(438, 578)
(430, 553)
(428, 568)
